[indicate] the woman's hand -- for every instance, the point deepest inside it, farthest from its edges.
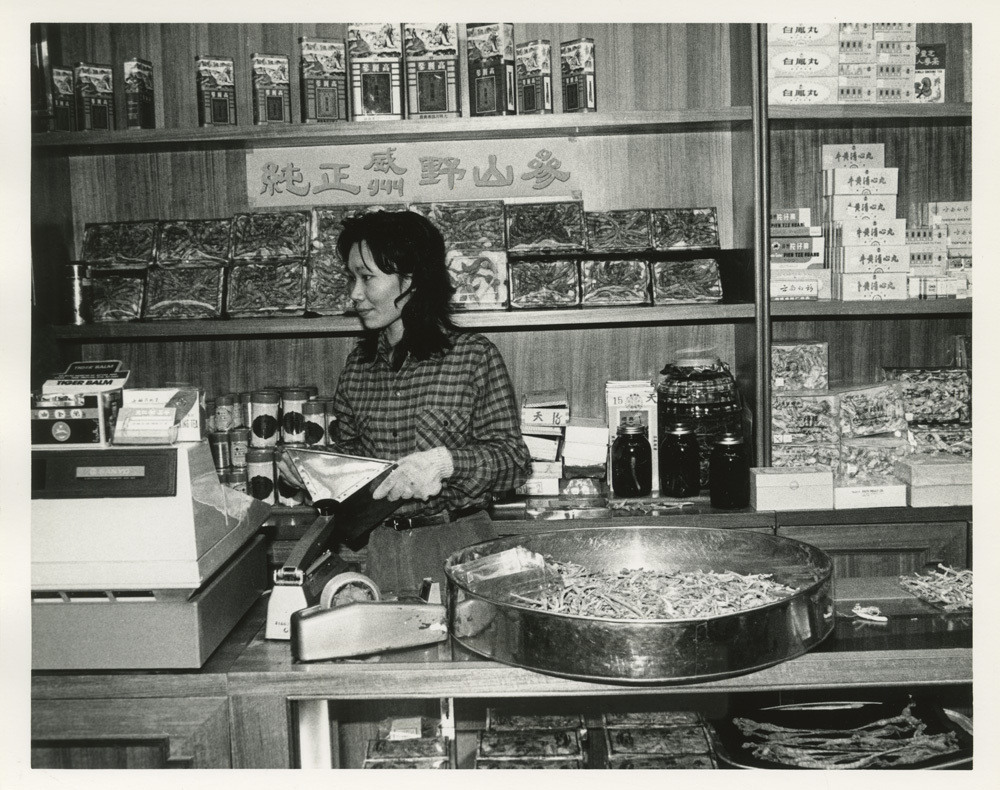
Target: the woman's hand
(417, 476)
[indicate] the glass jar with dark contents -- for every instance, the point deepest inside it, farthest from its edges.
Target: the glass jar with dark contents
(680, 472)
(729, 473)
(631, 462)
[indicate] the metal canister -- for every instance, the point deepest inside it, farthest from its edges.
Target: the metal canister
(238, 480)
(218, 442)
(680, 469)
(264, 425)
(78, 294)
(225, 408)
(239, 443)
(312, 391)
(260, 474)
(245, 417)
(631, 462)
(293, 428)
(331, 420)
(314, 414)
(729, 473)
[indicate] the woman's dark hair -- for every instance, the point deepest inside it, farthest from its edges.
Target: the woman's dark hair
(408, 244)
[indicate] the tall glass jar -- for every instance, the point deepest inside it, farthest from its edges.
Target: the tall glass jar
(729, 473)
(680, 472)
(631, 462)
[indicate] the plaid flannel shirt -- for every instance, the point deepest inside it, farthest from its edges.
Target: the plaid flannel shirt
(462, 400)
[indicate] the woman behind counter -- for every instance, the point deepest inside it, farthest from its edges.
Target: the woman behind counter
(418, 391)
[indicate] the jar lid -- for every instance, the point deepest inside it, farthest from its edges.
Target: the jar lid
(729, 439)
(260, 454)
(680, 427)
(626, 430)
(313, 407)
(266, 396)
(295, 393)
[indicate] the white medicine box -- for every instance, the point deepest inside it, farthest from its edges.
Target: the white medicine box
(789, 488)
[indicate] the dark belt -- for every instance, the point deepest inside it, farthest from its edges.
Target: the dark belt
(402, 523)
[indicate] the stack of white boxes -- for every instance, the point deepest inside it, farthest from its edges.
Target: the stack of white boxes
(941, 250)
(544, 415)
(847, 63)
(865, 239)
(799, 268)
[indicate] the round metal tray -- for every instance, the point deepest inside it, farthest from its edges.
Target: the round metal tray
(648, 651)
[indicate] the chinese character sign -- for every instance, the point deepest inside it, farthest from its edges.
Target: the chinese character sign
(415, 172)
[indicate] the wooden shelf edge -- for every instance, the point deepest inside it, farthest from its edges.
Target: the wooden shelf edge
(556, 125)
(347, 325)
(848, 112)
(835, 309)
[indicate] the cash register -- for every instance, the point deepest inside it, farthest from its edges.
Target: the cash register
(140, 557)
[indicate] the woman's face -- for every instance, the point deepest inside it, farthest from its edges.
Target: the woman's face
(375, 293)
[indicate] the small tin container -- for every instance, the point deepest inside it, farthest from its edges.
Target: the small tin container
(239, 444)
(245, 417)
(78, 294)
(139, 108)
(93, 84)
(314, 417)
(261, 474)
(216, 90)
(218, 442)
(579, 85)
(264, 426)
(729, 473)
(632, 462)
(225, 407)
(293, 426)
(238, 480)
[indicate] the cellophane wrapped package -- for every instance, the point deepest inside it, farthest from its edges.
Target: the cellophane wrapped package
(800, 365)
(870, 459)
(872, 409)
(614, 282)
(940, 439)
(193, 242)
(934, 394)
(116, 294)
(120, 243)
(544, 284)
(538, 226)
(677, 282)
(807, 456)
(620, 230)
(480, 278)
(467, 224)
(184, 293)
(808, 417)
(684, 228)
(266, 289)
(271, 236)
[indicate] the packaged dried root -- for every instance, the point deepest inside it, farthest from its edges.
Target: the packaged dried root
(940, 439)
(934, 394)
(808, 456)
(872, 410)
(614, 282)
(809, 417)
(800, 365)
(868, 459)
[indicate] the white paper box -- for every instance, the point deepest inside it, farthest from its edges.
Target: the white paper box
(810, 90)
(848, 155)
(884, 287)
(872, 259)
(844, 207)
(797, 62)
(888, 494)
(861, 181)
(791, 489)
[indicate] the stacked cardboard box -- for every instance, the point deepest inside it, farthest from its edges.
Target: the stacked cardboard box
(941, 250)
(798, 263)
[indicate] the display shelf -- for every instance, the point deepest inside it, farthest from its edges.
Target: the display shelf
(868, 112)
(906, 307)
(349, 325)
(352, 132)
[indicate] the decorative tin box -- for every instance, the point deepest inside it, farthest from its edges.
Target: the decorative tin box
(676, 282)
(272, 91)
(216, 91)
(544, 284)
(491, 69)
(480, 279)
(63, 100)
(614, 282)
(120, 243)
(139, 110)
(534, 77)
(536, 226)
(376, 67)
(579, 78)
(188, 292)
(619, 230)
(323, 80)
(430, 52)
(467, 224)
(93, 85)
(193, 242)
(684, 228)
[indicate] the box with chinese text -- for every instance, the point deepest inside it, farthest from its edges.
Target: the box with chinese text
(801, 34)
(875, 287)
(929, 74)
(430, 53)
(796, 62)
(272, 92)
(93, 84)
(862, 259)
(813, 90)
(323, 78)
(139, 112)
(216, 91)
(861, 181)
(376, 68)
(579, 77)
(534, 77)
(492, 88)
(837, 208)
(633, 403)
(872, 232)
(848, 155)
